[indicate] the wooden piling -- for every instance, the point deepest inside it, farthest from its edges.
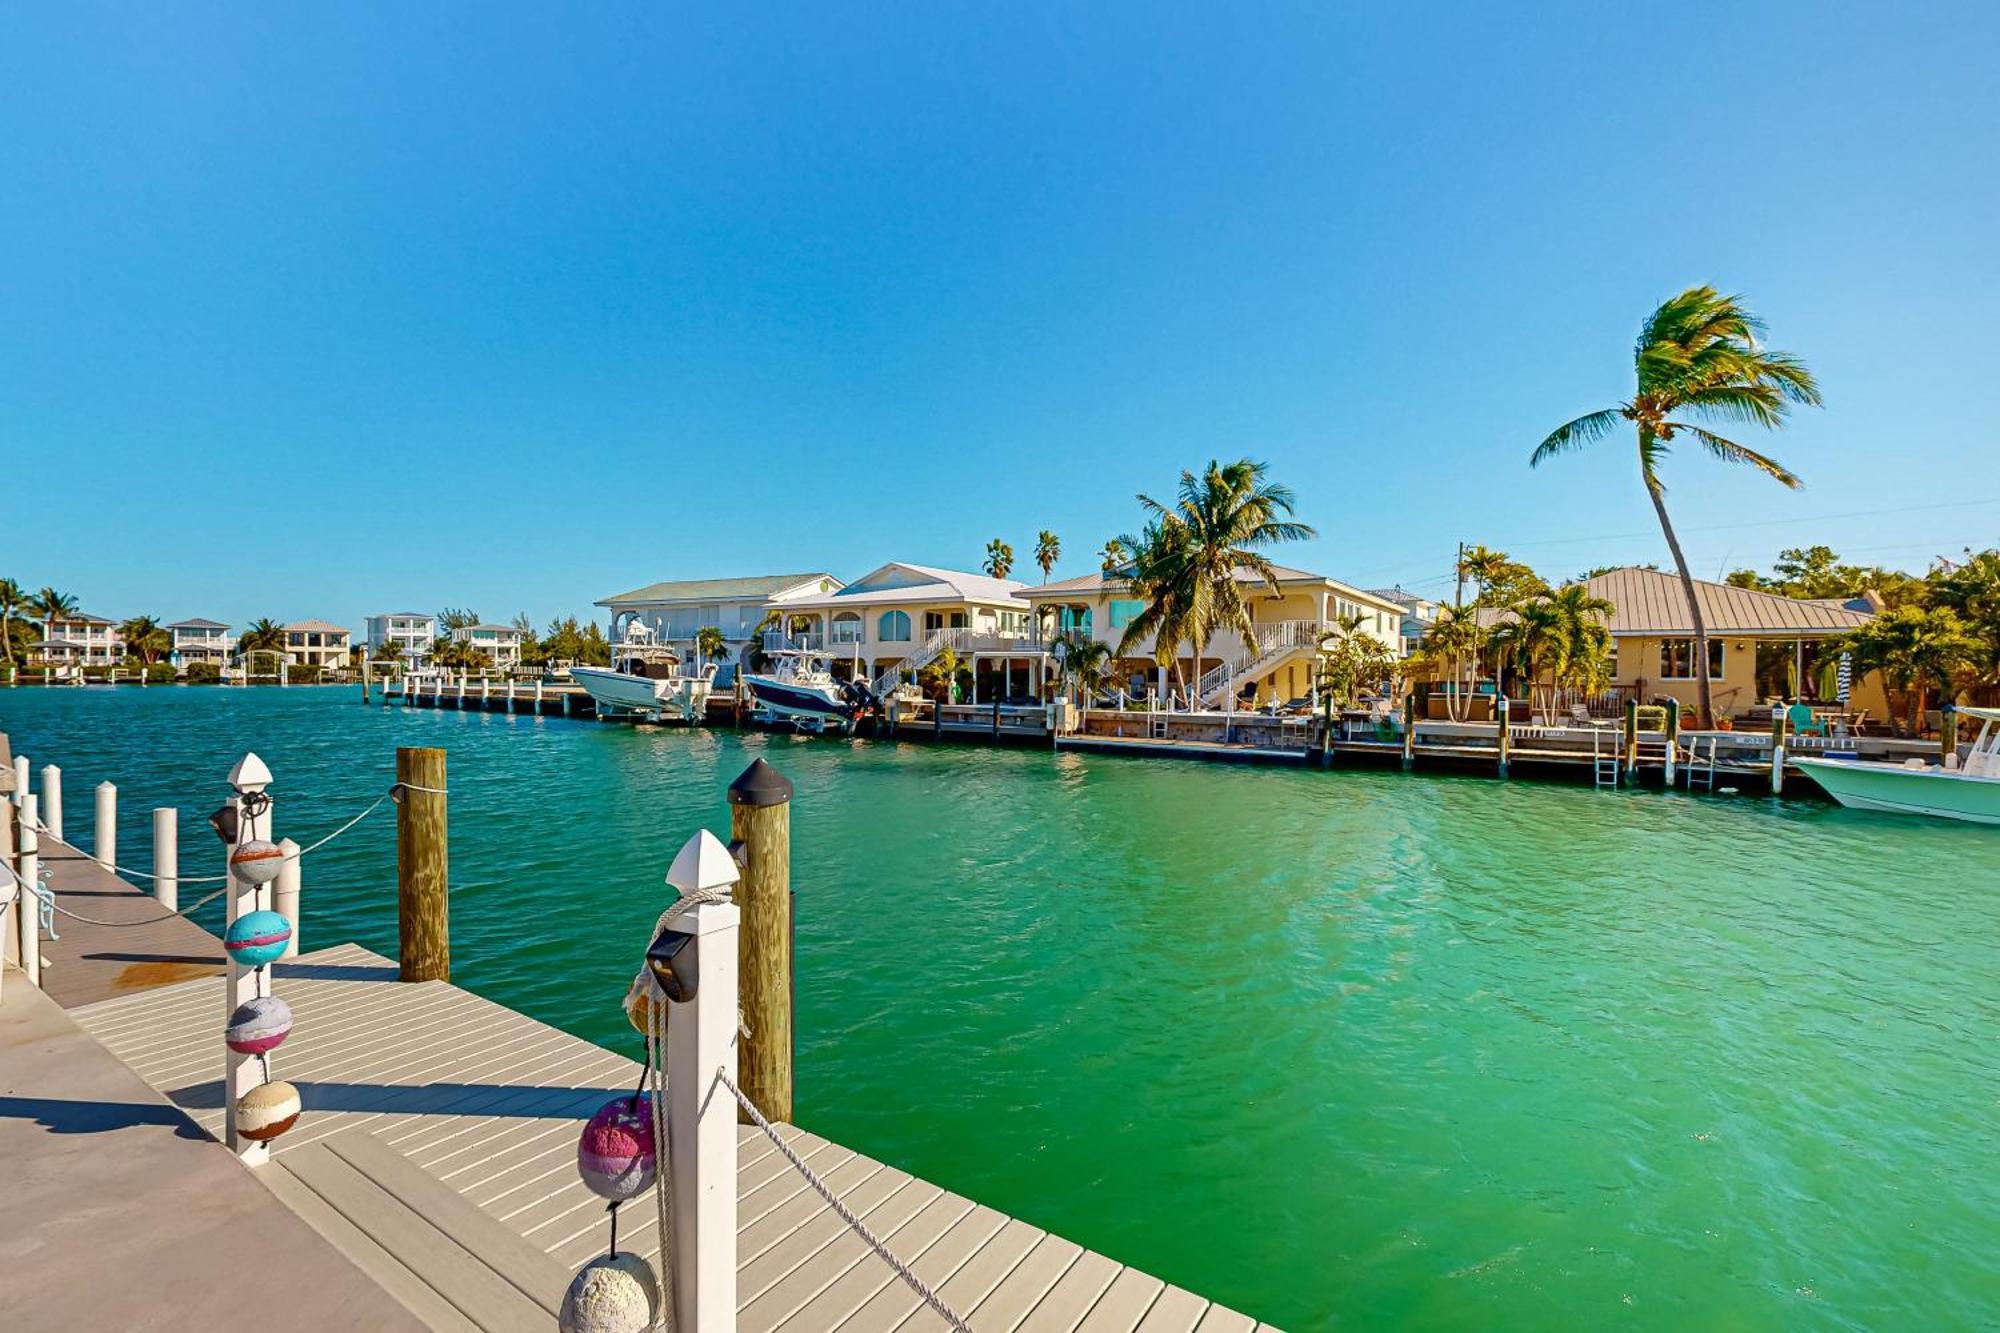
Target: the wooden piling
(1947, 734)
(1409, 731)
(1631, 740)
(1502, 729)
(422, 866)
(760, 822)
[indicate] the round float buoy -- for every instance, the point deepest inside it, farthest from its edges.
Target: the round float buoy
(256, 938)
(257, 861)
(266, 1111)
(613, 1293)
(615, 1155)
(258, 1026)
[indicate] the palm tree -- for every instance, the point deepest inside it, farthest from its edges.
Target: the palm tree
(1915, 648)
(1583, 639)
(145, 639)
(710, 645)
(1697, 356)
(1115, 556)
(999, 559)
(52, 606)
(1219, 521)
(265, 635)
(12, 602)
(1157, 570)
(1085, 663)
(1455, 642)
(1048, 550)
(1347, 657)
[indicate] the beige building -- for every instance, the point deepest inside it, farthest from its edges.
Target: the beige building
(1275, 664)
(317, 643)
(1761, 646)
(899, 618)
(500, 643)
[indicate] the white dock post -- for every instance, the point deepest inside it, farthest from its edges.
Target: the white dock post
(243, 1072)
(1780, 717)
(105, 845)
(538, 698)
(701, 1039)
(285, 893)
(52, 800)
(28, 911)
(485, 693)
(167, 857)
(21, 778)
(510, 694)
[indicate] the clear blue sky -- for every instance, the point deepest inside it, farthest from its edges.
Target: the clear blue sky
(331, 309)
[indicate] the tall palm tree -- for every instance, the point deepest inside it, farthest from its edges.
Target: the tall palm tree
(52, 606)
(1224, 517)
(1157, 571)
(1697, 356)
(1455, 641)
(12, 602)
(264, 635)
(1115, 556)
(1048, 550)
(999, 559)
(1583, 637)
(145, 639)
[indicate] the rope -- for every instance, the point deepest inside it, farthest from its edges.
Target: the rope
(656, 1071)
(860, 1228)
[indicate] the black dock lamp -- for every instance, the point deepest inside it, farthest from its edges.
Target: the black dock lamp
(675, 959)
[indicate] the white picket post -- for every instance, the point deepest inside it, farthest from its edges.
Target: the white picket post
(28, 912)
(21, 778)
(244, 1072)
(52, 801)
(104, 847)
(702, 1039)
(167, 857)
(285, 892)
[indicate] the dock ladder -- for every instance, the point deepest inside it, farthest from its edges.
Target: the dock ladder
(1605, 764)
(1701, 768)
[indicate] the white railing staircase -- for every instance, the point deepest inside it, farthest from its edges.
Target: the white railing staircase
(932, 648)
(1271, 643)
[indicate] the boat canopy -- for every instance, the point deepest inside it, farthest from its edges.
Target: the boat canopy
(1983, 714)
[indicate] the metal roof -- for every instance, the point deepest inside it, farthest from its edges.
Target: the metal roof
(1286, 574)
(1651, 602)
(929, 584)
(315, 627)
(197, 623)
(713, 590)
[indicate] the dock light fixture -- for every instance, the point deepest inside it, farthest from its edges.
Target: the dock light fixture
(226, 824)
(675, 960)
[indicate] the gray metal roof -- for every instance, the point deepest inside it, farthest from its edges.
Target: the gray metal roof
(712, 590)
(1652, 602)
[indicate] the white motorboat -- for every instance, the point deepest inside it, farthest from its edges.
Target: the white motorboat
(645, 679)
(798, 686)
(1967, 789)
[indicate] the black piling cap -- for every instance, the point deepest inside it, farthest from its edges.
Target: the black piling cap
(760, 785)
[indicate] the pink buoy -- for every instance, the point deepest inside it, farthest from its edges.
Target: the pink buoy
(258, 1026)
(615, 1154)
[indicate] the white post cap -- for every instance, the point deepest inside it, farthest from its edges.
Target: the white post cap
(703, 863)
(250, 773)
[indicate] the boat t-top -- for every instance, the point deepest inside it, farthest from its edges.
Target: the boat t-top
(645, 679)
(798, 686)
(1967, 789)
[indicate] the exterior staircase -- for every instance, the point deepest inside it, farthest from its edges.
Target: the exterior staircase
(1273, 646)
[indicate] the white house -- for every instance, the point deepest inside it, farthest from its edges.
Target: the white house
(500, 643)
(412, 632)
(199, 640)
(675, 611)
(81, 639)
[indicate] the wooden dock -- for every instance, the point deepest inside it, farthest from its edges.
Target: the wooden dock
(447, 1096)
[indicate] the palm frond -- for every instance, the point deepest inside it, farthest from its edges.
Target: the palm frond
(1732, 452)
(1576, 434)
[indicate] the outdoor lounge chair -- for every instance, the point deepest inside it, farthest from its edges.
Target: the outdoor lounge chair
(1804, 722)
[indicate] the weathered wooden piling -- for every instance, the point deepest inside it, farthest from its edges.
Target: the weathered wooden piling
(422, 866)
(1409, 731)
(1947, 734)
(760, 823)
(1502, 727)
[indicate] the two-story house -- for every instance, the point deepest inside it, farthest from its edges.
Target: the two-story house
(81, 639)
(412, 633)
(500, 643)
(899, 618)
(199, 640)
(675, 611)
(1274, 664)
(317, 643)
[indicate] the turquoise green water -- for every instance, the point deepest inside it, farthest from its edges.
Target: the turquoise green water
(1346, 1050)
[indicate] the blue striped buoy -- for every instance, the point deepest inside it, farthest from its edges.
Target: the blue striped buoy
(256, 938)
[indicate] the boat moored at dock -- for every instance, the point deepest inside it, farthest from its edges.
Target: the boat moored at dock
(646, 680)
(1968, 791)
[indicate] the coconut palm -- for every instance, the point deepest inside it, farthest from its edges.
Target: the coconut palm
(12, 602)
(264, 635)
(145, 639)
(1157, 571)
(1697, 356)
(1085, 664)
(1048, 550)
(1454, 642)
(999, 559)
(51, 606)
(1220, 520)
(1114, 557)
(710, 645)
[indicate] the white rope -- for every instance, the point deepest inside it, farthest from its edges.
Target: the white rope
(860, 1228)
(656, 1074)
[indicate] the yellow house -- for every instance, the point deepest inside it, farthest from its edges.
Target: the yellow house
(1761, 646)
(1276, 662)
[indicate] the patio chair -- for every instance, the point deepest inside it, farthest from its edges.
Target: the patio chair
(1804, 721)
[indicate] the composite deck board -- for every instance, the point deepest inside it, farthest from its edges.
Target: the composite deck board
(483, 1104)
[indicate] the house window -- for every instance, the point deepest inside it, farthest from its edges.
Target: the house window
(937, 620)
(1124, 613)
(1677, 659)
(847, 628)
(894, 627)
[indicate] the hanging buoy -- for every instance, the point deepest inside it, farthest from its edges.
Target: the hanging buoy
(257, 861)
(258, 1026)
(266, 1111)
(639, 1003)
(615, 1155)
(256, 938)
(613, 1293)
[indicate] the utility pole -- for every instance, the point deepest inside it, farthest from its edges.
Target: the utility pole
(1458, 599)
